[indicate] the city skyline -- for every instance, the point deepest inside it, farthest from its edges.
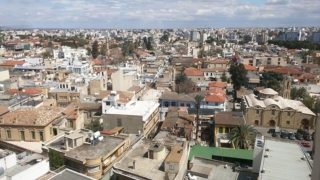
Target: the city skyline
(140, 14)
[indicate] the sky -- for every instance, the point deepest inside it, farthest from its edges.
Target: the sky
(140, 14)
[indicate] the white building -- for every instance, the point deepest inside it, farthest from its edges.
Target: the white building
(22, 166)
(68, 52)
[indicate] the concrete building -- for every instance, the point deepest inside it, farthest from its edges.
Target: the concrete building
(4, 74)
(270, 109)
(22, 166)
(92, 154)
(194, 36)
(70, 174)
(316, 154)
(161, 162)
(293, 36)
(262, 38)
(10, 65)
(134, 116)
(122, 81)
(267, 60)
(68, 52)
(316, 37)
(68, 92)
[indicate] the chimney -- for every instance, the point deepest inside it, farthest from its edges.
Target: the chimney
(199, 65)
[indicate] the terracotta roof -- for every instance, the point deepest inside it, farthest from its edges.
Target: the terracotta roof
(32, 116)
(25, 91)
(217, 84)
(307, 76)
(96, 61)
(283, 70)
(3, 110)
(217, 61)
(122, 100)
(87, 105)
(136, 89)
(193, 72)
(216, 91)
(122, 94)
(176, 117)
(229, 118)
(196, 60)
(13, 63)
(249, 68)
(215, 98)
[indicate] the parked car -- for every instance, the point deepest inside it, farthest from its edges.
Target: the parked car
(307, 137)
(291, 136)
(299, 136)
(276, 134)
(284, 135)
(305, 144)
(271, 131)
(244, 165)
(303, 131)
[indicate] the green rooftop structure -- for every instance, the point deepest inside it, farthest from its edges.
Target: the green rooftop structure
(220, 153)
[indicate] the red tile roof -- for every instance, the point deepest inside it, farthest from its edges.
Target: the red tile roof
(216, 91)
(249, 68)
(196, 60)
(215, 98)
(96, 62)
(193, 72)
(13, 63)
(283, 70)
(218, 84)
(25, 91)
(3, 110)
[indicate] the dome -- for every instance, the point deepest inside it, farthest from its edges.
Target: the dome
(269, 91)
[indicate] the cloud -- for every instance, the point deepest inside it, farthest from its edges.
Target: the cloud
(160, 14)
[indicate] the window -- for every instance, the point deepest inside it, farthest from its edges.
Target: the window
(166, 104)
(119, 122)
(8, 133)
(216, 104)
(173, 103)
(220, 129)
(119, 105)
(22, 137)
(108, 103)
(171, 167)
(288, 122)
(71, 124)
(182, 104)
(273, 112)
(199, 79)
(33, 135)
(227, 129)
(188, 105)
(257, 111)
(288, 113)
(93, 169)
(63, 97)
(41, 136)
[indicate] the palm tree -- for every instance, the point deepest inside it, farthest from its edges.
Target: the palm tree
(242, 136)
(198, 99)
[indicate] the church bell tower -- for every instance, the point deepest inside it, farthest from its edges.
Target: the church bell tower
(286, 87)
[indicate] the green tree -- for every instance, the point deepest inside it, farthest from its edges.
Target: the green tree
(46, 55)
(271, 80)
(238, 77)
(88, 50)
(309, 102)
(164, 38)
(198, 98)
(50, 44)
(103, 50)
(298, 93)
(181, 77)
(242, 136)
(224, 77)
(316, 108)
(95, 126)
(94, 50)
(56, 160)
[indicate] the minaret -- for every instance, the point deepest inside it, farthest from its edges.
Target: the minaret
(286, 87)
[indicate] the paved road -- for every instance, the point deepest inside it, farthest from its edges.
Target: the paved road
(264, 132)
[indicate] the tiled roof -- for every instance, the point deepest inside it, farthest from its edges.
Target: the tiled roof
(12, 63)
(122, 94)
(3, 110)
(283, 70)
(217, 61)
(32, 117)
(307, 76)
(25, 91)
(193, 72)
(217, 91)
(215, 98)
(196, 60)
(136, 89)
(96, 61)
(217, 84)
(122, 100)
(249, 68)
(229, 118)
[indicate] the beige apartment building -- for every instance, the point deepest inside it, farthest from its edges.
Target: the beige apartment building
(92, 154)
(68, 93)
(266, 60)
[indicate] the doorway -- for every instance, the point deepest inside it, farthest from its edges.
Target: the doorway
(22, 137)
(272, 123)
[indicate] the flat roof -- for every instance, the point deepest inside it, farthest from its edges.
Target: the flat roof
(136, 108)
(284, 162)
(68, 174)
(83, 152)
(208, 152)
(145, 167)
(176, 153)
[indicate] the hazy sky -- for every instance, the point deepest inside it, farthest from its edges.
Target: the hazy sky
(159, 13)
